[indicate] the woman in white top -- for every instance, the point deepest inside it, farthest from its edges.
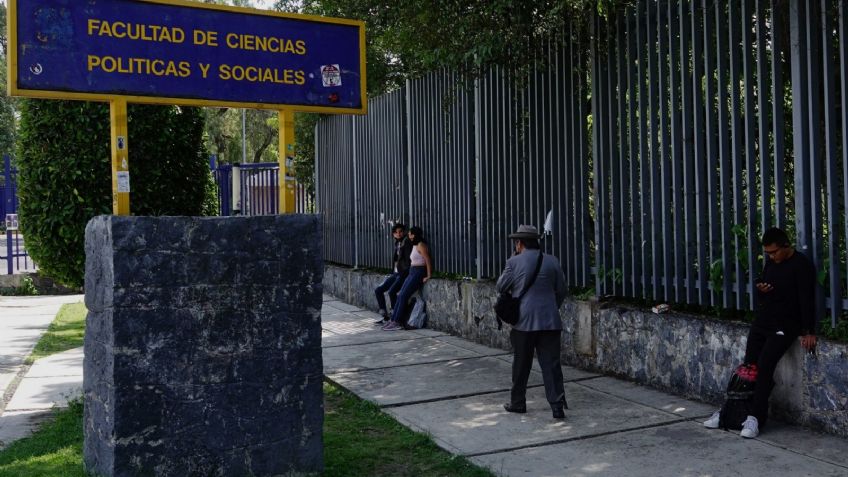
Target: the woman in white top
(420, 271)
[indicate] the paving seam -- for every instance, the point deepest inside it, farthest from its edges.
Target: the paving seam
(694, 419)
(359, 370)
(699, 419)
(13, 386)
(461, 396)
(573, 439)
(374, 342)
(423, 401)
(42, 409)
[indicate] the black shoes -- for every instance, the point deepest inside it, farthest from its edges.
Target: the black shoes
(557, 411)
(516, 409)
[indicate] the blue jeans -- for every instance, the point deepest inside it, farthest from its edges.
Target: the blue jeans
(411, 285)
(391, 284)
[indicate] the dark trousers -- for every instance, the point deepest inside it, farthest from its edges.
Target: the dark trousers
(765, 348)
(392, 285)
(413, 282)
(546, 345)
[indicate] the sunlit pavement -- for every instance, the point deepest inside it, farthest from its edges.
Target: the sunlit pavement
(453, 390)
(27, 394)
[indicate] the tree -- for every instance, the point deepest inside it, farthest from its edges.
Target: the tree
(407, 39)
(7, 104)
(65, 174)
(224, 134)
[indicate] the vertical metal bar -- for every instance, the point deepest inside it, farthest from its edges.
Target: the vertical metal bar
(664, 79)
(701, 237)
(723, 48)
(582, 168)
(765, 165)
(711, 148)
(408, 158)
(834, 217)
(640, 249)
(598, 149)
(688, 134)
(814, 178)
(629, 190)
(778, 122)
(619, 145)
(752, 227)
(800, 104)
(738, 145)
(478, 172)
(843, 70)
(356, 186)
(677, 157)
(655, 238)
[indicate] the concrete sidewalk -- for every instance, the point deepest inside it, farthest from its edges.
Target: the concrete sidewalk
(453, 390)
(28, 393)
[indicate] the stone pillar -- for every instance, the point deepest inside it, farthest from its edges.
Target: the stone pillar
(203, 346)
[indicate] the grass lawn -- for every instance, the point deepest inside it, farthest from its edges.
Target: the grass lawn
(54, 451)
(359, 440)
(64, 333)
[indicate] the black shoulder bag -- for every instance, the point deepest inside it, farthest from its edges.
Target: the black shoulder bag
(507, 307)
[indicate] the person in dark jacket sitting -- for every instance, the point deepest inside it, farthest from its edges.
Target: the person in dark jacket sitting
(786, 310)
(539, 326)
(400, 269)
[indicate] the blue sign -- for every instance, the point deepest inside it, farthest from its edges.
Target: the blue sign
(186, 53)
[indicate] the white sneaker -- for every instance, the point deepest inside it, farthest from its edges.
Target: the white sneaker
(712, 422)
(750, 428)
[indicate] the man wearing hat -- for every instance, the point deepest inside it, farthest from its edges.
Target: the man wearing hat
(539, 327)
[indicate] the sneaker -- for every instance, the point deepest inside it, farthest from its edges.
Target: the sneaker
(750, 428)
(712, 422)
(392, 326)
(381, 322)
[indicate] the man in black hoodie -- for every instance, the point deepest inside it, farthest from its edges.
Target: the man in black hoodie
(400, 269)
(786, 310)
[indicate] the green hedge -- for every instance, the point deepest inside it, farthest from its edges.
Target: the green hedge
(65, 175)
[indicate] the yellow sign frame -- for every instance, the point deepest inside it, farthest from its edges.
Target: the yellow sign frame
(15, 91)
(118, 103)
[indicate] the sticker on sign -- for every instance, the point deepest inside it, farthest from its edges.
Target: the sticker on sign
(331, 75)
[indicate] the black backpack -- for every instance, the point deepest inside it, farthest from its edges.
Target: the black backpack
(740, 396)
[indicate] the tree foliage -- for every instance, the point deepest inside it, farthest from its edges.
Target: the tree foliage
(7, 104)
(408, 39)
(65, 174)
(224, 134)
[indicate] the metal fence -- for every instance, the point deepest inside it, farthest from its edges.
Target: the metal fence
(336, 193)
(661, 142)
(380, 184)
(259, 189)
(13, 254)
(8, 188)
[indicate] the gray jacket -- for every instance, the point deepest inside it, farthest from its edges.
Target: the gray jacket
(540, 306)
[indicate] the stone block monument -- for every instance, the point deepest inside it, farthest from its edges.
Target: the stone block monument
(203, 346)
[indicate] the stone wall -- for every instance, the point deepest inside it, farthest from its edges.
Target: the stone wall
(683, 354)
(203, 346)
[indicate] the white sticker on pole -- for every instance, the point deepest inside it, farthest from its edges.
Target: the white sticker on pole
(123, 181)
(11, 222)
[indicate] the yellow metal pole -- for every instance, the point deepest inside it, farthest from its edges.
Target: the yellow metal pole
(120, 165)
(286, 117)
